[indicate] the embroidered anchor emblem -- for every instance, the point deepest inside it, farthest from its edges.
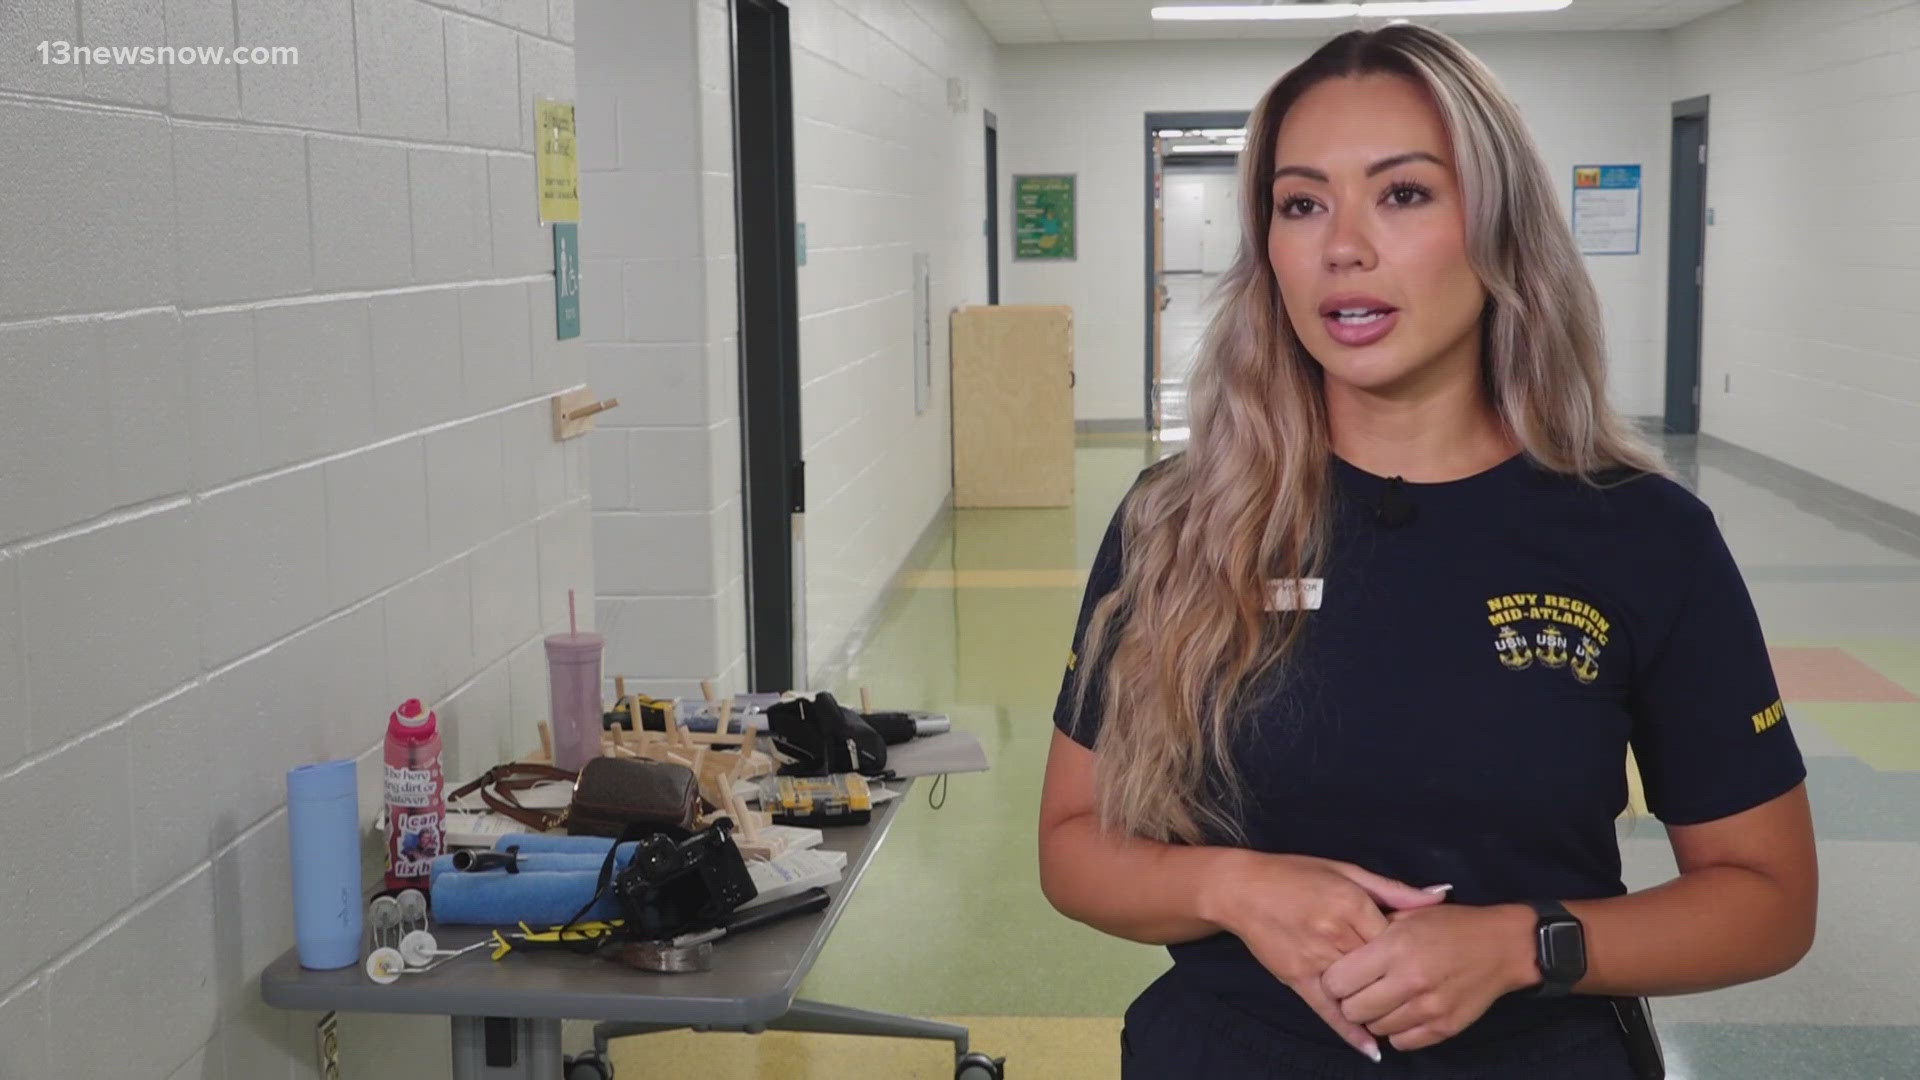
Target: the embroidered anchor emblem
(1586, 665)
(1553, 646)
(1512, 649)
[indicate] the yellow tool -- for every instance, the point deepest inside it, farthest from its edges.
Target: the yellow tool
(504, 943)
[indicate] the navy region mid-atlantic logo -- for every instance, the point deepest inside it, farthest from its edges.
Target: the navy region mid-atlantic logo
(1554, 632)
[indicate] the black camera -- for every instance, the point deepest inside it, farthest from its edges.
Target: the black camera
(678, 886)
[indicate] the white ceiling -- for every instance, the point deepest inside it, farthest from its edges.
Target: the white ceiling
(1031, 22)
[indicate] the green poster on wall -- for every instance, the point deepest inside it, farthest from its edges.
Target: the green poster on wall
(1043, 216)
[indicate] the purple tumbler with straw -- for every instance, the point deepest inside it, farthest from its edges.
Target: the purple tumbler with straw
(573, 693)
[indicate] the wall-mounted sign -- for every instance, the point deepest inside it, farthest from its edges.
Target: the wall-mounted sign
(1043, 214)
(1606, 209)
(558, 160)
(566, 279)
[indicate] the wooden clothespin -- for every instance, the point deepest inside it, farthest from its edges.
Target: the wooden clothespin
(574, 410)
(585, 411)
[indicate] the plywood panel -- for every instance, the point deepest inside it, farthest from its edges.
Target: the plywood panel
(1013, 405)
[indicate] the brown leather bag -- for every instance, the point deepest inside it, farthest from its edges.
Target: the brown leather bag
(499, 788)
(613, 793)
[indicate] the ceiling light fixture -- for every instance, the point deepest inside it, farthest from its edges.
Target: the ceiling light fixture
(1376, 8)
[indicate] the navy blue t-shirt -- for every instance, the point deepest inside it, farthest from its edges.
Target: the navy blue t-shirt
(1460, 704)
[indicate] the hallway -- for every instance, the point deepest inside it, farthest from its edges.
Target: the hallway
(1182, 323)
(979, 627)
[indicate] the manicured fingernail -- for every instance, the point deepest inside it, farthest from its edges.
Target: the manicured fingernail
(1372, 1050)
(1438, 890)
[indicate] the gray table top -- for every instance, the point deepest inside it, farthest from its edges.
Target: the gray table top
(753, 980)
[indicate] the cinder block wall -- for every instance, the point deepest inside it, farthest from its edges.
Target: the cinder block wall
(276, 344)
(661, 324)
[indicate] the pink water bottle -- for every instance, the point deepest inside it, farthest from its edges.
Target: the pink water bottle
(416, 795)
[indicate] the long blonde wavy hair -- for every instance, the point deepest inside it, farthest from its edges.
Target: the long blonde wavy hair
(1186, 631)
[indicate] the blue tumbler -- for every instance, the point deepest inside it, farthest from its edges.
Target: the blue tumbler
(323, 818)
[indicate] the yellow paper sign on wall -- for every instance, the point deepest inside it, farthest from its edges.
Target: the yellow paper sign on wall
(558, 160)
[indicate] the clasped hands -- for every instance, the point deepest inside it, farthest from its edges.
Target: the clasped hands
(1376, 958)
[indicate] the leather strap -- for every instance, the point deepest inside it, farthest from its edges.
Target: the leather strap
(498, 785)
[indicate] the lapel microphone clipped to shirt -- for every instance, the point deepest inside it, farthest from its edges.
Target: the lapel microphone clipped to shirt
(1393, 508)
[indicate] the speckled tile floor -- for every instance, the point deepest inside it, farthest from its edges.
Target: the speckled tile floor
(951, 923)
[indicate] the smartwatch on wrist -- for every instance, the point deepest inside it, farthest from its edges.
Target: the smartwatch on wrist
(1560, 948)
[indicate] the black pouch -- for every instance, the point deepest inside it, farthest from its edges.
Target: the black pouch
(822, 737)
(1643, 1042)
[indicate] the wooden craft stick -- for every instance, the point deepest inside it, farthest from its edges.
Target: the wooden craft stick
(744, 816)
(585, 411)
(619, 741)
(700, 761)
(706, 689)
(866, 702)
(619, 690)
(745, 757)
(726, 717)
(546, 740)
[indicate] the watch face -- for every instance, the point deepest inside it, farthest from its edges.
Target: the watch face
(1563, 948)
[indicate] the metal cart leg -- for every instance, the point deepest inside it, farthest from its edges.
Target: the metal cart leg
(502, 1048)
(609, 1030)
(819, 1016)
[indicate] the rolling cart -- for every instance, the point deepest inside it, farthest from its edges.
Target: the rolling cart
(506, 1015)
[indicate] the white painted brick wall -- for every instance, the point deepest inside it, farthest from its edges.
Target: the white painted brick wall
(883, 170)
(657, 310)
(1811, 331)
(273, 413)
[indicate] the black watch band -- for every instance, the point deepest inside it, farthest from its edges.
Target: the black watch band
(1560, 948)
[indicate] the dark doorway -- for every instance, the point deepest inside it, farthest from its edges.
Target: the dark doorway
(993, 208)
(1686, 265)
(773, 475)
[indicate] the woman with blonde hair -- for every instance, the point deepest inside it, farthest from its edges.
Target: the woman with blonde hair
(1348, 707)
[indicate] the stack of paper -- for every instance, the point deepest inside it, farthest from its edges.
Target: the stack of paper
(794, 872)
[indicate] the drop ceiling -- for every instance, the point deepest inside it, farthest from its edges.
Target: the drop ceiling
(1034, 22)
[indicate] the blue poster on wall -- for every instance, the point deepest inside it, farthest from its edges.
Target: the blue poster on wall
(566, 279)
(1606, 209)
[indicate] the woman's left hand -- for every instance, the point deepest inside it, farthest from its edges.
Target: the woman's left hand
(1433, 971)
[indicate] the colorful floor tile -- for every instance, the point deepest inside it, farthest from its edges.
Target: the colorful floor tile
(1830, 674)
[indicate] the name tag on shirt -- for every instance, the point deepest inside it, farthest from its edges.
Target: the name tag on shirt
(1296, 594)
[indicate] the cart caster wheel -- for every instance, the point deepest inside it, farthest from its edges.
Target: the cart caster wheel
(588, 1066)
(978, 1066)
